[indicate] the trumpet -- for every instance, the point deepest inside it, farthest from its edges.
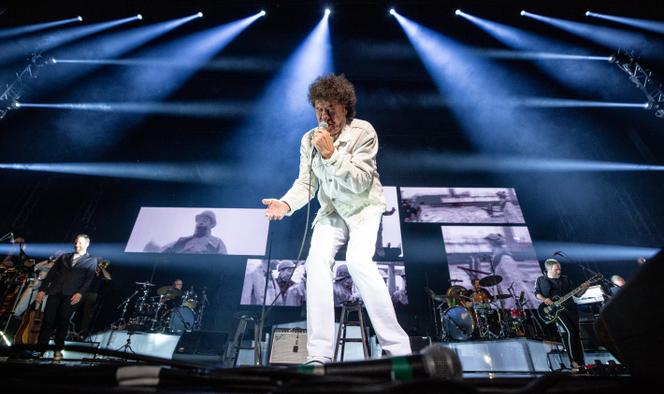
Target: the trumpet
(103, 264)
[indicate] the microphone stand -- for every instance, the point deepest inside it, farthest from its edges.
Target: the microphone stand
(258, 331)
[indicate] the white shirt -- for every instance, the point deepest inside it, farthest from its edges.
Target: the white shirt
(349, 181)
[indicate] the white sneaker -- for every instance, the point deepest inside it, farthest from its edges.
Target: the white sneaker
(317, 360)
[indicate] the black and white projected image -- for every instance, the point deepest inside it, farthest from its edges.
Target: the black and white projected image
(235, 231)
(388, 243)
(284, 292)
(477, 252)
(286, 283)
(461, 205)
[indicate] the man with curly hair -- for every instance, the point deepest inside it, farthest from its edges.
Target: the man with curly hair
(338, 159)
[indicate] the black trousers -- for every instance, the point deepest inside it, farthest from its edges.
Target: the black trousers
(57, 315)
(568, 327)
(88, 303)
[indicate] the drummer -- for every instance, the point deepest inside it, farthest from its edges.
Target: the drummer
(480, 294)
(171, 294)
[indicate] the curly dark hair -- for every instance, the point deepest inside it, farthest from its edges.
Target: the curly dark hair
(334, 88)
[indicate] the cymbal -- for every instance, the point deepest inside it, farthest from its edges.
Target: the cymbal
(436, 297)
(145, 283)
(476, 271)
(502, 296)
(440, 298)
(491, 280)
(169, 292)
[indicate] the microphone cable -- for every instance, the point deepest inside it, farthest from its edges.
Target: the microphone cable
(265, 311)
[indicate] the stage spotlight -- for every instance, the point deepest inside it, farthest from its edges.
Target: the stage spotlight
(522, 13)
(140, 17)
(15, 105)
(588, 13)
(327, 12)
(263, 13)
(457, 12)
(200, 15)
(392, 11)
(80, 19)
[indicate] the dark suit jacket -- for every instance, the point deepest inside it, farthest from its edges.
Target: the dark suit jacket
(62, 278)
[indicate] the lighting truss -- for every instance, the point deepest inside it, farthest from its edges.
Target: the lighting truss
(642, 78)
(12, 93)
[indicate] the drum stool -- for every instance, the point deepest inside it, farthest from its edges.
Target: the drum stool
(347, 308)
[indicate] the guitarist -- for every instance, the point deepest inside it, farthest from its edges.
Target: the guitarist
(554, 285)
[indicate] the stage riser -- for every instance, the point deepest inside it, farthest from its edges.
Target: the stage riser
(516, 355)
(507, 355)
(157, 345)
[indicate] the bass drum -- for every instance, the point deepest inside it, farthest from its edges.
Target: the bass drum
(458, 324)
(181, 320)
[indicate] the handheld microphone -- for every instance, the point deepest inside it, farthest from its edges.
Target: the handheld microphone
(321, 125)
(435, 361)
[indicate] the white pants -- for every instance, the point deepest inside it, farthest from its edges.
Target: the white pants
(330, 233)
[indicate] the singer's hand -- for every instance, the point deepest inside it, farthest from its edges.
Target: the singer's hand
(275, 209)
(323, 142)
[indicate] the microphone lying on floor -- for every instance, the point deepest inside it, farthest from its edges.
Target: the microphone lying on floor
(435, 361)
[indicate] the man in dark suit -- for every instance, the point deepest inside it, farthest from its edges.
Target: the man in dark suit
(65, 284)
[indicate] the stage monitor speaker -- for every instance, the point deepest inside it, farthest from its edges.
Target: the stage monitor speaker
(289, 346)
(419, 343)
(201, 345)
(631, 325)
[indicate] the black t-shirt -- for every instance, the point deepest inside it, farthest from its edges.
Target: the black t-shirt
(550, 287)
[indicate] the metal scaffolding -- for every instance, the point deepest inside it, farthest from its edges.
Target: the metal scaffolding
(642, 78)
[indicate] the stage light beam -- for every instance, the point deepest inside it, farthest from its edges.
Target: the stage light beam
(20, 30)
(284, 102)
(608, 37)
(644, 24)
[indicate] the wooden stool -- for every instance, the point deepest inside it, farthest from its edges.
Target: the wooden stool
(347, 308)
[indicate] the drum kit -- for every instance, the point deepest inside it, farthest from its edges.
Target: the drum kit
(478, 313)
(171, 311)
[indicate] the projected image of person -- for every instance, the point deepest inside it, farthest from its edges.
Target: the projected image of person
(202, 241)
(253, 289)
(503, 256)
(338, 159)
(285, 271)
(343, 286)
(297, 294)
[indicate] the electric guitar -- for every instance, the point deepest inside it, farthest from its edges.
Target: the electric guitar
(549, 313)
